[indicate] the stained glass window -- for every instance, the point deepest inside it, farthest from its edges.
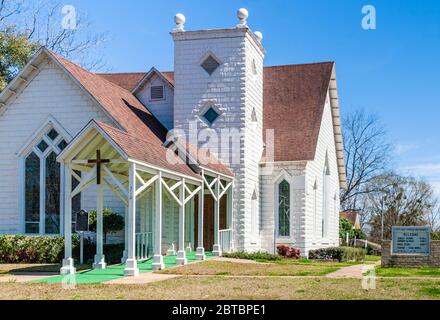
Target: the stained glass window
(210, 115)
(62, 145)
(42, 146)
(52, 194)
(51, 182)
(32, 194)
(284, 209)
(52, 134)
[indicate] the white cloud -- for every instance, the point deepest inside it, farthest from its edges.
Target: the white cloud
(401, 149)
(425, 169)
(428, 171)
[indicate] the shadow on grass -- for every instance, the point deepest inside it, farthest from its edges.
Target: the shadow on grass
(40, 269)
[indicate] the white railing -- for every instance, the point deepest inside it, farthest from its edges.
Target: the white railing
(144, 245)
(226, 240)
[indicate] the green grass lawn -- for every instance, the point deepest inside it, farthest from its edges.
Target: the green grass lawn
(408, 272)
(228, 288)
(370, 258)
(275, 268)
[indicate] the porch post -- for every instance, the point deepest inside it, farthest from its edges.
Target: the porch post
(200, 254)
(230, 209)
(131, 268)
(68, 263)
(181, 254)
(99, 262)
(125, 253)
(158, 258)
(216, 250)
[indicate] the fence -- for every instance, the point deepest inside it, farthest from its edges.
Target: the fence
(226, 240)
(144, 245)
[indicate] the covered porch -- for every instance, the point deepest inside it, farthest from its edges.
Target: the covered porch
(166, 201)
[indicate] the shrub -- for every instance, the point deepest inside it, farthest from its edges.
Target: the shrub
(340, 254)
(113, 252)
(50, 249)
(113, 222)
(260, 255)
(32, 249)
(373, 250)
(435, 235)
(346, 226)
(288, 252)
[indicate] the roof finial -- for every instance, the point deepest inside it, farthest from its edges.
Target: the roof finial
(179, 20)
(259, 36)
(242, 15)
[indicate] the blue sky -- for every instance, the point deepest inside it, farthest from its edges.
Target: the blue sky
(393, 71)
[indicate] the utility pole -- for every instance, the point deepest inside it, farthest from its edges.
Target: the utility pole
(381, 231)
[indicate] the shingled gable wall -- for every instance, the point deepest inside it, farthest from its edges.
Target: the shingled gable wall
(236, 91)
(163, 108)
(49, 93)
(311, 224)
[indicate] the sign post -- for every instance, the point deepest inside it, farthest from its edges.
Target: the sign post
(81, 226)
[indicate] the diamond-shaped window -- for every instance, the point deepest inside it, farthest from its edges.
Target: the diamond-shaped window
(42, 146)
(210, 115)
(210, 64)
(52, 134)
(62, 145)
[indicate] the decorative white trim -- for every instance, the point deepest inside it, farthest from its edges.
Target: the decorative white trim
(147, 77)
(50, 122)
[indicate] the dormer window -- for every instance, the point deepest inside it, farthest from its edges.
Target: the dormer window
(156, 92)
(210, 64)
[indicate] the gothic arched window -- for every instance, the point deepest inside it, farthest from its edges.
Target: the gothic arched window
(284, 209)
(42, 184)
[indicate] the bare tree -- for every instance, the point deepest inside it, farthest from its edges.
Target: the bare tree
(401, 200)
(41, 23)
(433, 217)
(367, 156)
(9, 9)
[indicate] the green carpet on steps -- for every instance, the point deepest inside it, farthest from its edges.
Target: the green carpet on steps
(114, 271)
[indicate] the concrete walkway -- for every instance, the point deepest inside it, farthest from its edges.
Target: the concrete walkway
(356, 271)
(143, 278)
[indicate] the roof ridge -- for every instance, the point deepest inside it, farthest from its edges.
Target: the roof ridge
(264, 67)
(118, 73)
(300, 64)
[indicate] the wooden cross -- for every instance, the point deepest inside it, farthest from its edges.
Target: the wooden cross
(98, 162)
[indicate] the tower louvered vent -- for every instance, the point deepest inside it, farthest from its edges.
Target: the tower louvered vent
(210, 64)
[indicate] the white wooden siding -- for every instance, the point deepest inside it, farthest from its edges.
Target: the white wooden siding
(50, 93)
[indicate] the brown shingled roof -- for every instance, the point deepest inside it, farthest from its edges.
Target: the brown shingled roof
(125, 80)
(143, 135)
(144, 150)
(294, 98)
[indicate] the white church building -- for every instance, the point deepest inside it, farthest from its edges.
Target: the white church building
(221, 154)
